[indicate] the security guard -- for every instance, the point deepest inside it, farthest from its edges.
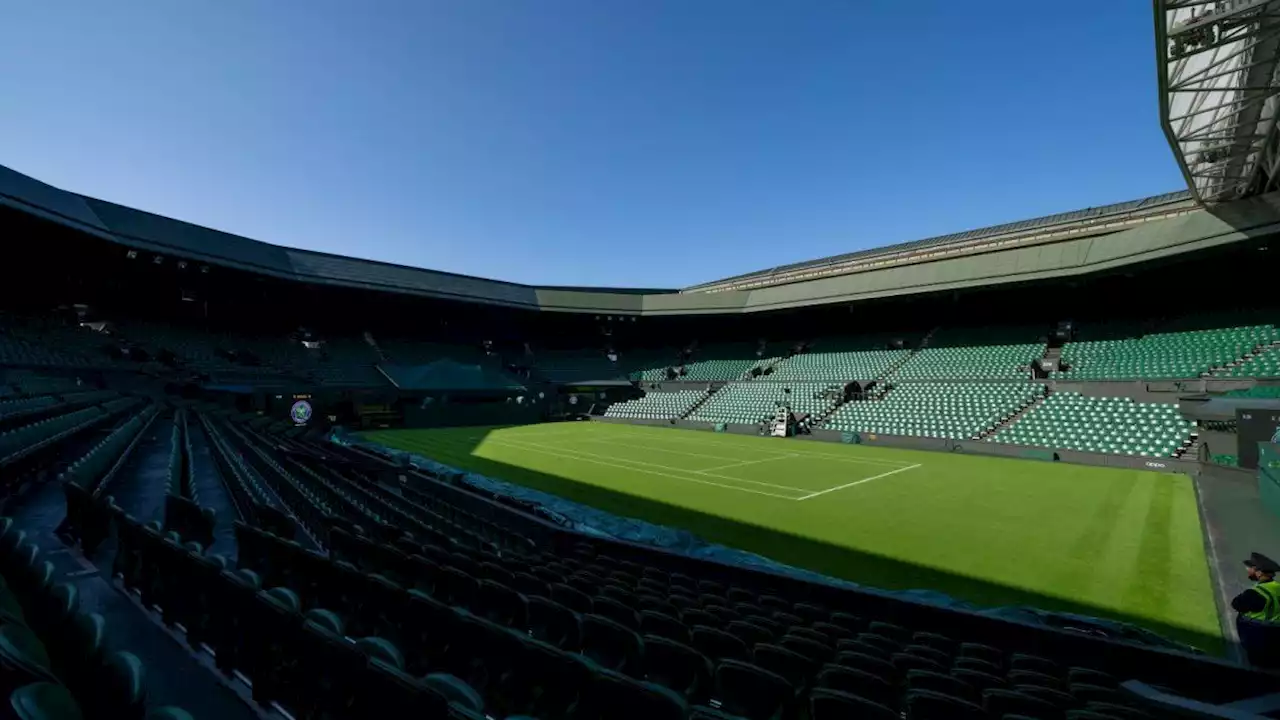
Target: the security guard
(1258, 622)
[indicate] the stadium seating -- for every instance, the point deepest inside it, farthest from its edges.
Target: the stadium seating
(657, 405)
(39, 434)
(1263, 364)
(1100, 424)
(975, 354)
(342, 362)
(955, 411)
(1160, 356)
(826, 363)
(717, 362)
(23, 382)
(577, 365)
(49, 640)
(753, 401)
(45, 342)
(468, 618)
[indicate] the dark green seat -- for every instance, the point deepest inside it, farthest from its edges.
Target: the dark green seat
(121, 690)
(21, 650)
(44, 701)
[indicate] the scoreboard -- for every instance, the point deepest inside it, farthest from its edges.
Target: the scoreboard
(1253, 427)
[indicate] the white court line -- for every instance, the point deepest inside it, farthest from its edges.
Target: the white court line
(663, 467)
(650, 448)
(614, 463)
(801, 454)
(606, 463)
(859, 482)
(744, 462)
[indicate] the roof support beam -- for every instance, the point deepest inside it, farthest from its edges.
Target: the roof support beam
(1220, 93)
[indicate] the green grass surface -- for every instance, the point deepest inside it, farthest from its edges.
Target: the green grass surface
(1116, 543)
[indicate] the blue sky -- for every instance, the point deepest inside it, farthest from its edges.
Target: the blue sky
(653, 143)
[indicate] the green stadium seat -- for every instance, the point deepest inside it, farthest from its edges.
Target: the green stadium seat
(1116, 425)
(836, 365)
(1171, 355)
(753, 401)
(956, 411)
(657, 405)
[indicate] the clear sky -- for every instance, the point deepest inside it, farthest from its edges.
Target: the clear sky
(653, 143)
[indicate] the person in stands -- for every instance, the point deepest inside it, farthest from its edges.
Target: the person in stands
(1258, 608)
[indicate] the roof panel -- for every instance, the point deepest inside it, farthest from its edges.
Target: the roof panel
(163, 233)
(32, 192)
(1180, 196)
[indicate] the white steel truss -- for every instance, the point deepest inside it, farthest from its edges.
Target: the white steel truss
(1220, 93)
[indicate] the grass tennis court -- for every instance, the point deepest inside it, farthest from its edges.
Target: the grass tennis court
(1118, 543)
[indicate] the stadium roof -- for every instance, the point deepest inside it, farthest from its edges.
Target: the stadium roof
(1217, 65)
(1064, 245)
(1107, 216)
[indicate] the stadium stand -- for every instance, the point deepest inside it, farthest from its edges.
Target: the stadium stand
(753, 401)
(966, 354)
(27, 341)
(1159, 356)
(1104, 425)
(833, 361)
(657, 405)
(343, 362)
(578, 364)
(716, 362)
(1263, 363)
(956, 411)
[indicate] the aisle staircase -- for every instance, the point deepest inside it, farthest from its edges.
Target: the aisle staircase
(906, 358)
(1257, 350)
(1035, 402)
(703, 401)
(1190, 451)
(880, 392)
(1054, 356)
(818, 420)
(764, 369)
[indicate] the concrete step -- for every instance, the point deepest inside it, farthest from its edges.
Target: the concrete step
(1013, 418)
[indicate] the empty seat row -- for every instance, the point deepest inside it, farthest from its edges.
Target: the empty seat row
(956, 411)
(836, 365)
(1159, 356)
(657, 405)
(1115, 425)
(56, 663)
(756, 400)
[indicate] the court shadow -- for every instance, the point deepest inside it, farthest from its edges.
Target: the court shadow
(458, 447)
